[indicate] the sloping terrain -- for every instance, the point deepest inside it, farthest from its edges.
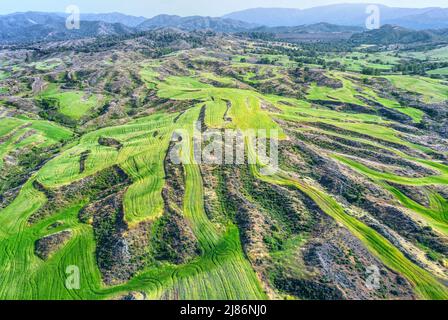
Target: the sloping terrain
(390, 34)
(37, 26)
(194, 23)
(88, 181)
(27, 27)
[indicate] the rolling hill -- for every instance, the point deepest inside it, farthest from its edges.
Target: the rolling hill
(390, 34)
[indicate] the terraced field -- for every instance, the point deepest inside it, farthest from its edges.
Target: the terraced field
(89, 183)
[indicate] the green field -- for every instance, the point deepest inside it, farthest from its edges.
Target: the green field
(440, 71)
(430, 90)
(331, 141)
(73, 104)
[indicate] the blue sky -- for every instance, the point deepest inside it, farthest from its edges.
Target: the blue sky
(149, 8)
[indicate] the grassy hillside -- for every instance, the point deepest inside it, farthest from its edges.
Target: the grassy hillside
(88, 180)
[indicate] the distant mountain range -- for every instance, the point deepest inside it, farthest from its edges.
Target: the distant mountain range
(333, 22)
(344, 14)
(432, 19)
(390, 34)
(115, 17)
(36, 26)
(195, 23)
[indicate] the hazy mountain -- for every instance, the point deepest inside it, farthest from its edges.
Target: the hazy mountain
(432, 19)
(36, 26)
(271, 17)
(322, 23)
(195, 23)
(342, 14)
(114, 17)
(13, 21)
(389, 34)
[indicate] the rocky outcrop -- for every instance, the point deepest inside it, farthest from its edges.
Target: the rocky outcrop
(47, 246)
(174, 239)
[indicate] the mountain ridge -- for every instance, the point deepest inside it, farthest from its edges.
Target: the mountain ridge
(37, 26)
(341, 14)
(40, 26)
(191, 23)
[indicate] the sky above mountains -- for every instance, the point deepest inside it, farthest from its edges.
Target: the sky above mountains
(149, 8)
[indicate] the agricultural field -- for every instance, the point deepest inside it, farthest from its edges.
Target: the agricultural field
(89, 185)
(433, 54)
(357, 61)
